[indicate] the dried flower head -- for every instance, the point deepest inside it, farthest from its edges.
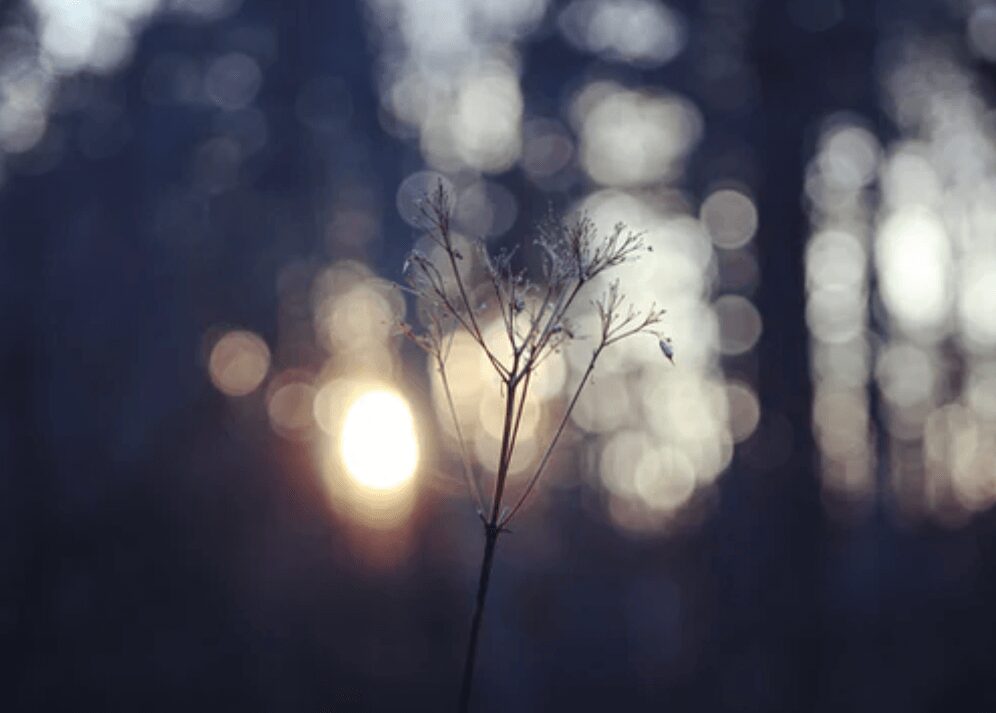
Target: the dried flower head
(534, 315)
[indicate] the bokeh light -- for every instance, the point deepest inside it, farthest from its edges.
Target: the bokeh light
(928, 249)
(289, 404)
(730, 217)
(637, 31)
(739, 324)
(379, 443)
(238, 363)
(632, 138)
(913, 257)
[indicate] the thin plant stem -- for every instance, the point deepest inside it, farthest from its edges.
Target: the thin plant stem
(553, 441)
(506, 457)
(476, 332)
(490, 540)
(491, 531)
(519, 410)
(505, 453)
(468, 474)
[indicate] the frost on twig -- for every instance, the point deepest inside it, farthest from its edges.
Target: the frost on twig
(533, 314)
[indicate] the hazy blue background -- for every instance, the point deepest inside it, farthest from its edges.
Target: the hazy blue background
(170, 170)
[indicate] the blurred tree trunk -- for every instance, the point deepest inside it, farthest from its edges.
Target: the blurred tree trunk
(772, 533)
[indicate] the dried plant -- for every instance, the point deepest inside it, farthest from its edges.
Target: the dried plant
(535, 316)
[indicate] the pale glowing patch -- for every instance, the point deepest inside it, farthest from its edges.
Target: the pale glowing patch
(739, 324)
(840, 421)
(844, 364)
(980, 389)
(909, 178)
(837, 304)
(354, 312)
(90, 35)
(290, 407)
(849, 156)
(977, 303)
(238, 363)
(361, 315)
(487, 449)
(328, 406)
(621, 452)
(914, 262)
(835, 259)
(486, 124)
(485, 208)
(492, 415)
(379, 445)
(744, 410)
(668, 482)
(631, 138)
(604, 404)
(906, 374)
(638, 31)
(836, 315)
(731, 218)
(664, 431)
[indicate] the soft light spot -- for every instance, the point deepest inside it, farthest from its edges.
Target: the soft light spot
(835, 259)
(631, 138)
(486, 208)
(977, 303)
(238, 363)
(637, 31)
(730, 217)
(744, 410)
(379, 445)
(849, 157)
(914, 262)
(487, 119)
(290, 407)
(840, 421)
(667, 481)
(836, 315)
(739, 324)
(232, 80)
(906, 374)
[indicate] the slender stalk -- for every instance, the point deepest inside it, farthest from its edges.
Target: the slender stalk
(476, 332)
(553, 441)
(490, 540)
(519, 410)
(468, 474)
(505, 456)
(491, 531)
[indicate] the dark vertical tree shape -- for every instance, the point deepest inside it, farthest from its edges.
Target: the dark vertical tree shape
(772, 532)
(777, 511)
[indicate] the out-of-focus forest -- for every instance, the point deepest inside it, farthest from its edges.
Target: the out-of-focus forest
(203, 205)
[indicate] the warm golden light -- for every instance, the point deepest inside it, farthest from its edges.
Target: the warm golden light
(378, 442)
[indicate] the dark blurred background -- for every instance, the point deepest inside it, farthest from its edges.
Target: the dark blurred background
(201, 202)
